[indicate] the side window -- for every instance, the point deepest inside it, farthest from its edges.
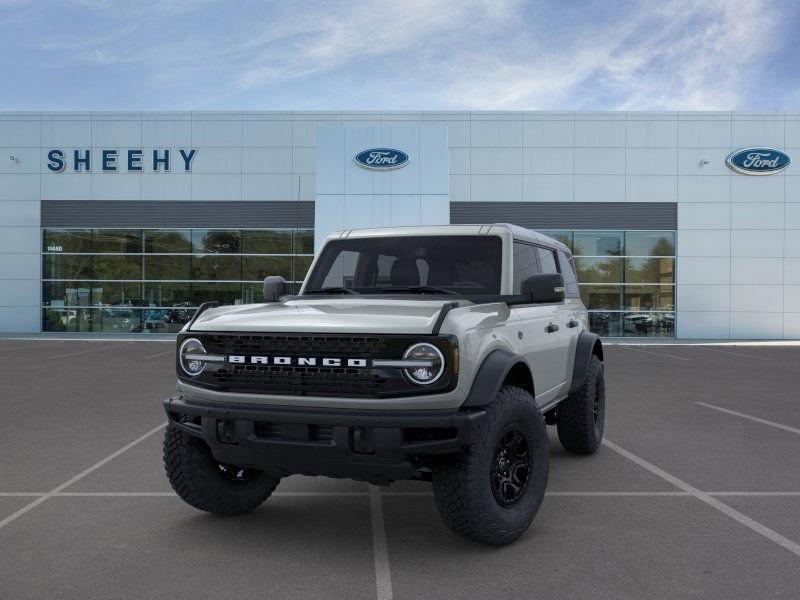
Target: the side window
(570, 279)
(525, 264)
(547, 258)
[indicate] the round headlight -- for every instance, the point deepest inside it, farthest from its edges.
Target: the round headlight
(187, 355)
(433, 368)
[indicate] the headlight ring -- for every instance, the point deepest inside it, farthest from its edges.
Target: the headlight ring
(424, 352)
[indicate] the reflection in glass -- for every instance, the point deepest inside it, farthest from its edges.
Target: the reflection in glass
(168, 267)
(599, 270)
(598, 243)
(226, 241)
(167, 294)
(67, 266)
(67, 240)
(649, 297)
(267, 241)
(167, 241)
(648, 324)
(256, 268)
(601, 297)
(217, 267)
(224, 293)
(117, 266)
(117, 240)
(304, 241)
(650, 243)
(565, 237)
(301, 266)
(606, 324)
(649, 270)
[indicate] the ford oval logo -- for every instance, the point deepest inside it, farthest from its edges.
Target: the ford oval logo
(381, 159)
(758, 161)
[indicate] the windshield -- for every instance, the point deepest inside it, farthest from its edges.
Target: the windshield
(456, 264)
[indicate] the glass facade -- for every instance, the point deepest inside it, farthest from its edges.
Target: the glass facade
(151, 280)
(627, 280)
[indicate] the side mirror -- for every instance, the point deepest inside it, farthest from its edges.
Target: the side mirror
(274, 288)
(544, 287)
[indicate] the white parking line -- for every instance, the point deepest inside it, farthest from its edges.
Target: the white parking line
(742, 354)
(383, 577)
(750, 418)
(24, 348)
(734, 514)
(79, 476)
(87, 351)
(657, 353)
(170, 351)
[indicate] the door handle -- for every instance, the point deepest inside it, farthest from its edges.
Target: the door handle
(572, 323)
(551, 328)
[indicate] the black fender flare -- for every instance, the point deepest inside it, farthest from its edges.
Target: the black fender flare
(588, 344)
(490, 376)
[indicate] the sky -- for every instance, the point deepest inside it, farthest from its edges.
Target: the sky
(400, 55)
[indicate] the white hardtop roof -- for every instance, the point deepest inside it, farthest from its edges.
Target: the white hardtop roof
(519, 233)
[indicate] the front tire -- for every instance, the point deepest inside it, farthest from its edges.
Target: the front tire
(491, 490)
(580, 419)
(204, 483)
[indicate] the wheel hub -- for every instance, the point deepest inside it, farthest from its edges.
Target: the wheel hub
(511, 466)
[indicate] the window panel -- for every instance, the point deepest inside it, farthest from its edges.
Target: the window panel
(226, 241)
(224, 293)
(567, 268)
(650, 243)
(67, 319)
(304, 241)
(168, 267)
(547, 260)
(565, 237)
(267, 241)
(598, 243)
(525, 264)
(168, 294)
(68, 266)
(648, 324)
(217, 267)
(117, 320)
(167, 241)
(602, 297)
(301, 266)
(606, 324)
(256, 268)
(117, 240)
(117, 266)
(67, 240)
(599, 270)
(649, 297)
(649, 270)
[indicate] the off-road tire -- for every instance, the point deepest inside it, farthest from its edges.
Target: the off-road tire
(581, 417)
(200, 481)
(462, 483)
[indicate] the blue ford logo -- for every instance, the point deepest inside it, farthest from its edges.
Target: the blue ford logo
(381, 159)
(758, 161)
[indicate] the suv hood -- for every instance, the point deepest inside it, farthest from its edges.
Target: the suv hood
(327, 315)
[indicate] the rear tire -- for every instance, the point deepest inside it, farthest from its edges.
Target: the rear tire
(580, 419)
(204, 483)
(491, 490)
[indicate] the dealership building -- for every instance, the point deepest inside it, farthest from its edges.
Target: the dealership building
(683, 224)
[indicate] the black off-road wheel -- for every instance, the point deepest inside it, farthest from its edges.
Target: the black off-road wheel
(580, 418)
(491, 490)
(208, 485)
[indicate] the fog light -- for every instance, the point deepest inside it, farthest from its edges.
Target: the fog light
(191, 356)
(431, 365)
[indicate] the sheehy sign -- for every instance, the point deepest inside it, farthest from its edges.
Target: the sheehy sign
(111, 161)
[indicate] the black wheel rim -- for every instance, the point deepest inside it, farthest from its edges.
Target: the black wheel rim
(237, 474)
(511, 466)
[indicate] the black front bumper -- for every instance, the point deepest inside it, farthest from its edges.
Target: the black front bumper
(375, 446)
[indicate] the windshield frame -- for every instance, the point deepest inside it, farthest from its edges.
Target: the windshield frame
(331, 250)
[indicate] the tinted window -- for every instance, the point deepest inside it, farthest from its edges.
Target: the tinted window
(525, 264)
(468, 265)
(568, 270)
(547, 260)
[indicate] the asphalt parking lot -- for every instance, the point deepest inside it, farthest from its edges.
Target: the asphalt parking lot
(696, 494)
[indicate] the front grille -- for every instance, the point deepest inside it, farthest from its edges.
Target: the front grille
(343, 381)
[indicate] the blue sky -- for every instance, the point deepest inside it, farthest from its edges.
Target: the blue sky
(400, 54)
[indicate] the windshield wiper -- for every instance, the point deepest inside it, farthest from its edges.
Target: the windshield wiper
(418, 289)
(331, 290)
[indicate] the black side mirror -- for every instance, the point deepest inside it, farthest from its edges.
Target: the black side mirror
(544, 287)
(274, 288)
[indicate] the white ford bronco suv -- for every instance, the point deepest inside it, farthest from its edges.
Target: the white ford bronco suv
(433, 353)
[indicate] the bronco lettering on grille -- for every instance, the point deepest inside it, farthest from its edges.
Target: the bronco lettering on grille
(298, 361)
